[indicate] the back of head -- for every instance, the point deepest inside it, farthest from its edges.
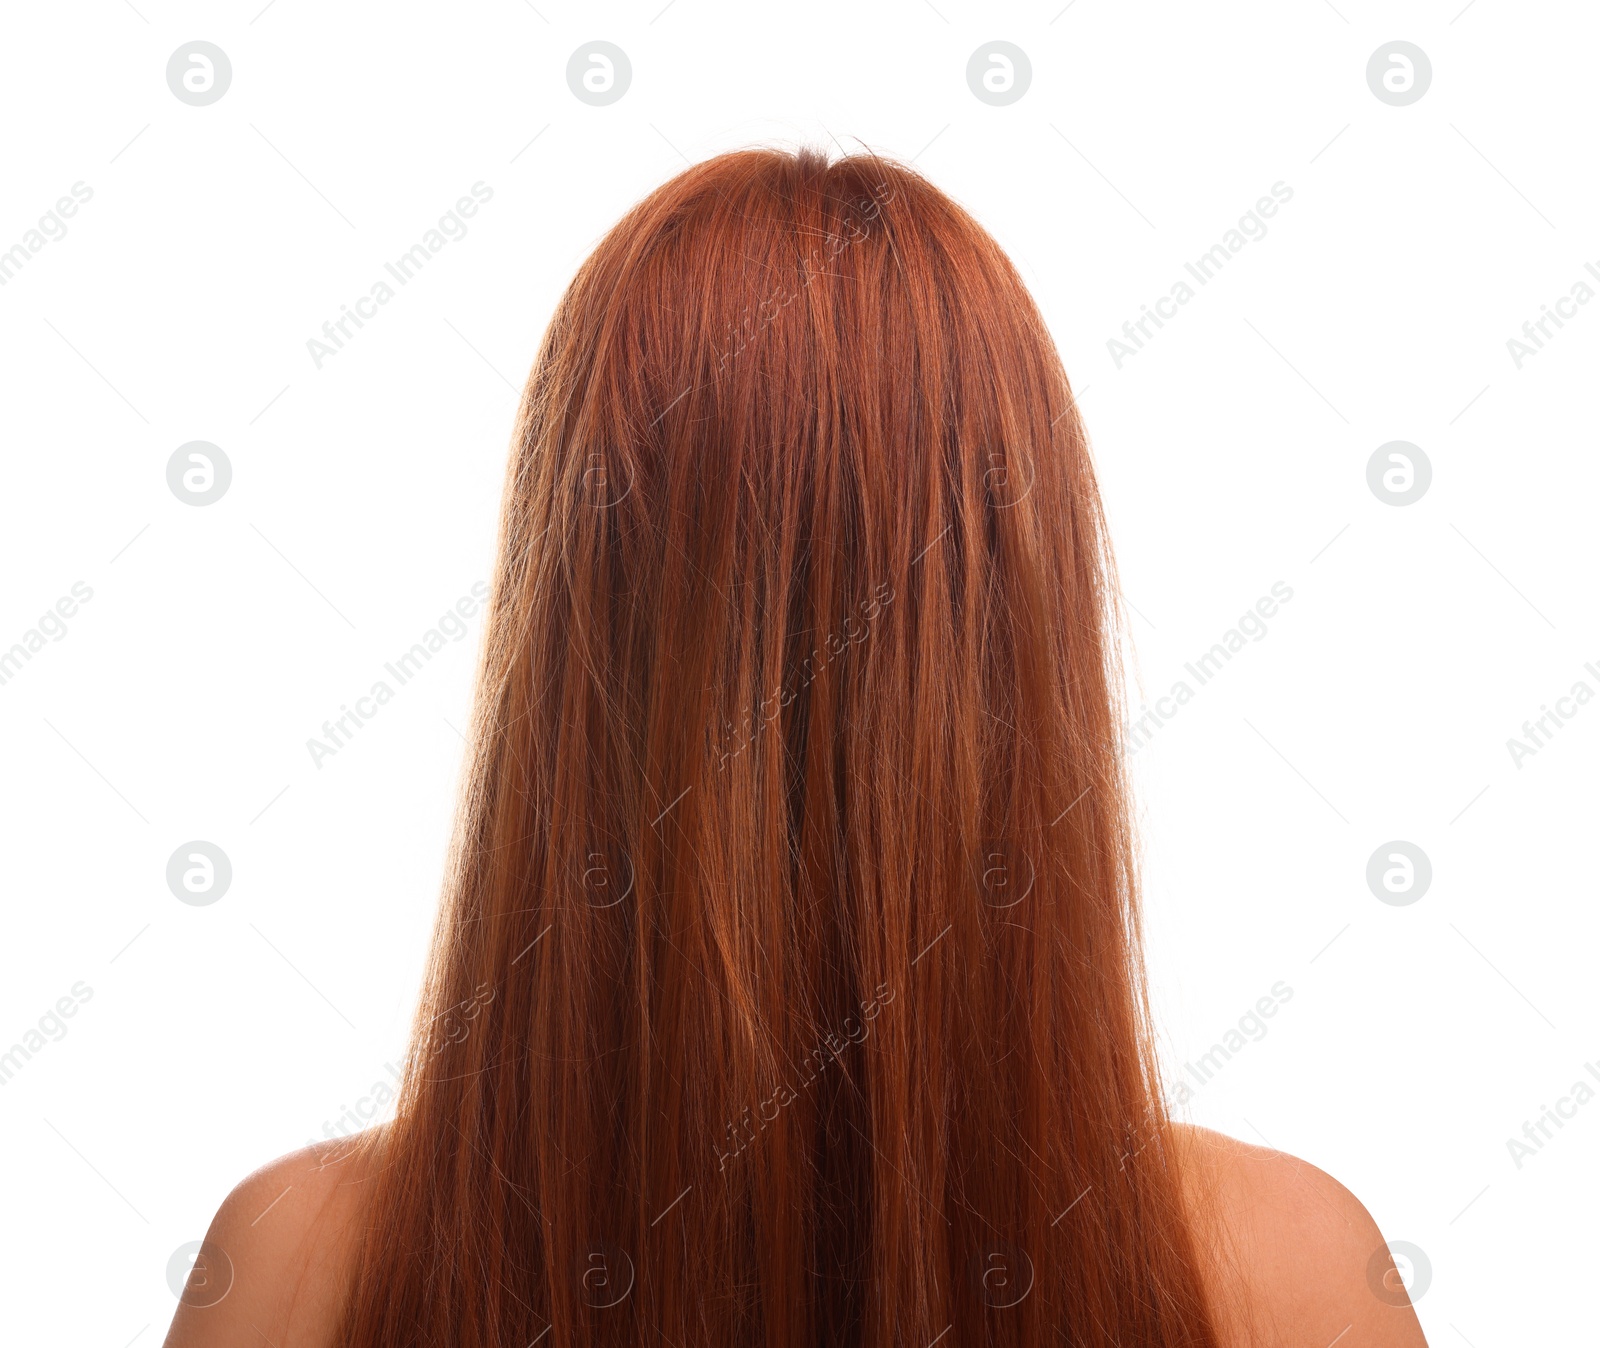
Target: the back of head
(786, 989)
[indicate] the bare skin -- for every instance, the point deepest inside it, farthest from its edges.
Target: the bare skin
(1286, 1252)
(285, 1236)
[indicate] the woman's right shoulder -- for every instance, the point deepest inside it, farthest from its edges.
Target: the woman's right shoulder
(277, 1259)
(1289, 1256)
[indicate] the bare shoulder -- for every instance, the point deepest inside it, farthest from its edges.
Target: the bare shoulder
(1289, 1256)
(275, 1262)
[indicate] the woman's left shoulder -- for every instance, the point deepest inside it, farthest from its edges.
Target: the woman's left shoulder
(277, 1259)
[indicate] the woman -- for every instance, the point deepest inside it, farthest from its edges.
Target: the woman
(787, 985)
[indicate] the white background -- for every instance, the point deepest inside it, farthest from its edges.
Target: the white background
(1232, 453)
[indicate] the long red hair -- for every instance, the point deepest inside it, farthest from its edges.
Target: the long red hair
(787, 989)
